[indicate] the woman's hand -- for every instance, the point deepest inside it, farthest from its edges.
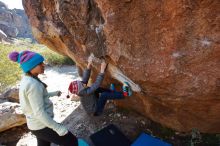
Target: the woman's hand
(59, 93)
(62, 130)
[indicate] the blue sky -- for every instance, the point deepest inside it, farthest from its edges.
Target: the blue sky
(13, 4)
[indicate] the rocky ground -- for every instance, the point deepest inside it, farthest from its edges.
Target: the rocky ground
(71, 114)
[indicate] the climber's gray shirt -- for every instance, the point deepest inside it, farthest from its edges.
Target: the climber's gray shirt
(87, 95)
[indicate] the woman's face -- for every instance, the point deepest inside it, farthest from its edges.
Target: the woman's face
(39, 69)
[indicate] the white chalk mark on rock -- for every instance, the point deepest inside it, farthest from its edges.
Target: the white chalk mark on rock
(118, 75)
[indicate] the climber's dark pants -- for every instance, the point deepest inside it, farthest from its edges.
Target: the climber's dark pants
(104, 95)
(46, 136)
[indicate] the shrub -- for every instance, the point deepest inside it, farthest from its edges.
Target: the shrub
(10, 72)
(53, 58)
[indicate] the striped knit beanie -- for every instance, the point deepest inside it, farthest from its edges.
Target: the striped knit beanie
(27, 59)
(75, 87)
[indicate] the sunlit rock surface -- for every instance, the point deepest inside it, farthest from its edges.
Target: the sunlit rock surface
(11, 116)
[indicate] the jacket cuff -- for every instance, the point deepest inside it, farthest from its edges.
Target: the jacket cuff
(51, 94)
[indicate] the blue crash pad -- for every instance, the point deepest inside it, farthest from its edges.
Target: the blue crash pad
(147, 140)
(82, 142)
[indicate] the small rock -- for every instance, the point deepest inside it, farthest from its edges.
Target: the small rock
(63, 110)
(118, 115)
(63, 116)
(177, 133)
(148, 130)
(142, 122)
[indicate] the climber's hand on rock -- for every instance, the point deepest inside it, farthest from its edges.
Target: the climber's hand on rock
(103, 66)
(90, 60)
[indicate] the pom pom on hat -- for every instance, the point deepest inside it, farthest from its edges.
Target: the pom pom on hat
(13, 56)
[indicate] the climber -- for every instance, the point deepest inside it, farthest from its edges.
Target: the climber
(94, 98)
(35, 103)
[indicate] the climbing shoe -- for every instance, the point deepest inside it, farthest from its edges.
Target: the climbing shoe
(112, 87)
(126, 89)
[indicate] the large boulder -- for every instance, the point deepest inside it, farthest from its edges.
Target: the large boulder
(11, 116)
(11, 95)
(167, 50)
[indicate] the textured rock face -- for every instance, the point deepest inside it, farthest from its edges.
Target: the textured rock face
(14, 23)
(167, 50)
(11, 31)
(11, 95)
(11, 116)
(3, 36)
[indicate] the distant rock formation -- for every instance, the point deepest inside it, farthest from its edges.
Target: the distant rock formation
(23, 25)
(14, 23)
(168, 51)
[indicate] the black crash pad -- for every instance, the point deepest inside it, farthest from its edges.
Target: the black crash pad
(110, 136)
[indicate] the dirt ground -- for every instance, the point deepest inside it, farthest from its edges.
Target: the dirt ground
(71, 114)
